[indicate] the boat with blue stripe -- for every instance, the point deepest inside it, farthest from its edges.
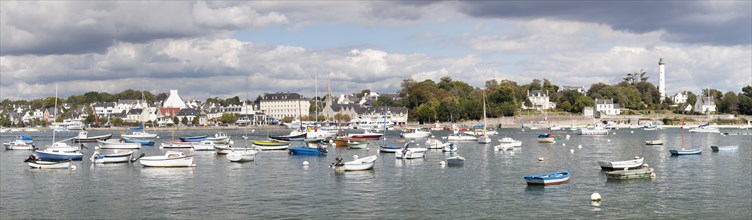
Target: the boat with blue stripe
(193, 138)
(59, 152)
(305, 150)
(685, 151)
(141, 142)
(555, 178)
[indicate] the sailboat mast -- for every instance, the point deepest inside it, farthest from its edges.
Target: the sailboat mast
(317, 99)
(55, 118)
(484, 112)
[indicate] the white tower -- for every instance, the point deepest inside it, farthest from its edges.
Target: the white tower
(661, 79)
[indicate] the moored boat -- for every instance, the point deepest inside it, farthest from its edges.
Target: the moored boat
(724, 148)
(357, 144)
(19, 145)
(411, 152)
(416, 133)
(654, 142)
(510, 141)
(176, 144)
(450, 147)
(389, 149)
(461, 138)
(117, 144)
(219, 137)
(115, 157)
(271, 145)
(305, 150)
(242, 155)
(685, 151)
(51, 164)
(365, 163)
(642, 173)
(193, 138)
(294, 135)
(593, 131)
(554, 178)
(546, 138)
(366, 135)
(628, 164)
(169, 159)
(83, 137)
(59, 152)
(456, 161)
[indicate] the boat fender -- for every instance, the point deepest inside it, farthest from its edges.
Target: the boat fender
(540, 158)
(652, 175)
(595, 197)
(305, 163)
(442, 163)
(579, 146)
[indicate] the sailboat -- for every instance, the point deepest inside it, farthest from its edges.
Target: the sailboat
(139, 135)
(682, 151)
(484, 139)
(58, 151)
(384, 148)
(705, 128)
(244, 154)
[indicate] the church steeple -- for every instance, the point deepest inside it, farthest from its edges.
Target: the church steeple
(328, 94)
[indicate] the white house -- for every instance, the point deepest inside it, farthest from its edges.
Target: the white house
(539, 100)
(580, 89)
(280, 105)
(680, 98)
(587, 111)
(705, 105)
(105, 109)
(606, 107)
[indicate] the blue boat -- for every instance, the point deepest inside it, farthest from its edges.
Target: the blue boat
(140, 127)
(390, 149)
(59, 152)
(25, 138)
(555, 178)
(304, 150)
(193, 138)
(685, 151)
(142, 142)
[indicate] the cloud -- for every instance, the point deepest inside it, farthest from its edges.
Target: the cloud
(712, 22)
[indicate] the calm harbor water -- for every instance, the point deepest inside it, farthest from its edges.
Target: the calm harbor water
(490, 185)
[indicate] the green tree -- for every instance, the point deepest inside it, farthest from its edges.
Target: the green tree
(425, 113)
(184, 120)
(691, 98)
(745, 104)
(228, 118)
(730, 103)
(175, 120)
(195, 120)
(581, 103)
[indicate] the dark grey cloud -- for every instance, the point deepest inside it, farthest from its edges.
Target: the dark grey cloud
(711, 22)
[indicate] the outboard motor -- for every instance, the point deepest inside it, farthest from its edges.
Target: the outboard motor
(31, 158)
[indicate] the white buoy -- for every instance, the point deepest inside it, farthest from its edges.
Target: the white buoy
(595, 197)
(631, 132)
(609, 140)
(563, 144)
(567, 137)
(614, 132)
(571, 150)
(540, 158)
(579, 146)
(253, 130)
(305, 163)
(523, 129)
(355, 157)
(442, 163)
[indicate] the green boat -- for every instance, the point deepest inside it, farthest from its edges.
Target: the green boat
(643, 173)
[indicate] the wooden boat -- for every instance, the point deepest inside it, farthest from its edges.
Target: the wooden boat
(456, 161)
(642, 173)
(117, 144)
(357, 144)
(19, 145)
(685, 151)
(450, 147)
(555, 178)
(625, 164)
(365, 163)
(271, 145)
(83, 136)
(654, 142)
(305, 150)
(115, 157)
(411, 153)
(193, 138)
(242, 155)
(345, 141)
(724, 148)
(366, 135)
(416, 133)
(546, 138)
(51, 164)
(170, 159)
(293, 136)
(510, 141)
(59, 152)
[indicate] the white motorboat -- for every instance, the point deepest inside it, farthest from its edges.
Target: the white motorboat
(219, 137)
(456, 161)
(411, 153)
(450, 147)
(83, 136)
(207, 145)
(242, 155)
(510, 141)
(177, 144)
(724, 148)
(593, 131)
(19, 145)
(618, 165)
(117, 144)
(705, 129)
(52, 165)
(140, 135)
(416, 133)
(114, 157)
(461, 138)
(477, 132)
(435, 144)
(504, 147)
(170, 159)
(365, 163)
(222, 149)
(484, 139)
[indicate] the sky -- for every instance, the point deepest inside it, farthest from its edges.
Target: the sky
(224, 49)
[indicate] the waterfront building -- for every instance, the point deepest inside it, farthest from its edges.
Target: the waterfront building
(606, 107)
(563, 88)
(540, 100)
(105, 109)
(280, 105)
(587, 111)
(705, 104)
(680, 97)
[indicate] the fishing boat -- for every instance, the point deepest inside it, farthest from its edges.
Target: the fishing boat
(368, 135)
(598, 130)
(510, 141)
(59, 151)
(416, 133)
(294, 135)
(117, 144)
(365, 163)
(115, 157)
(643, 173)
(450, 147)
(685, 151)
(460, 137)
(242, 155)
(357, 144)
(193, 138)
(724, 148)
(411, 153)
(24, 138)
(654, 142)
(455, 161)
(555, 178)
(18, 145)
(169, 159)
(51, 164)
(83, 137)
(618, 165)
(547, 138)
(305, 150)
(271, 145)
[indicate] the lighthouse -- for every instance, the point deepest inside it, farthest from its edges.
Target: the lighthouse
(661, 79)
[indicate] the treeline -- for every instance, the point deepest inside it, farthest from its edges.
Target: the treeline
(450, 100)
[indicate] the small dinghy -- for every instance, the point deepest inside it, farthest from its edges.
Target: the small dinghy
(685, 151)
(644, 172)
(456, 161)
(724, 148)
(115, 157)
(365, 163)
(619, 165)
(34, 162)
(654, 142)
(242, 155)
(555, 178)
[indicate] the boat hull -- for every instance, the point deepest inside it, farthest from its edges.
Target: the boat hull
(242, 155)
(51, 165)
(628, 164)
(686, 152)
(358, 145)
(389, 149)
(724, 148)
(455, 161)
(46, 156)
(411, 153)
(630, 174)
(117, 145)
(112, 158)
(162, 161)
(307, 151)
(461, 138)
(365, 163)
(91, 139)
(555, 178)
(193, 138)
